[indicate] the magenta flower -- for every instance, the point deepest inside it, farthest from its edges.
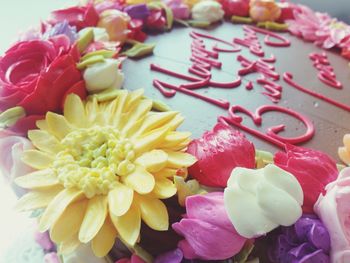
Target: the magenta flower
(208, 232)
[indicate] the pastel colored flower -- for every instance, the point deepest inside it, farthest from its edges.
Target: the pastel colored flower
(43, 239)
(179, 8)
(344, 152)
(218, 152)
(235, 7)
(77, 16)
(258, 201)
(174, 256)
(11, 166)
(139, 11)
(306, 241)
(116, 24)
(207, 10)
(208, 232)
(102, 167)
(313, 169)
(156, 20)
(62, 28)
(264, 10)
(103, 75)
(333, 209)
(39, 74)
(101, 6)
(135, 30)
(334, 34)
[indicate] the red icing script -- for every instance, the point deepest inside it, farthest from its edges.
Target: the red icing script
(325, 70)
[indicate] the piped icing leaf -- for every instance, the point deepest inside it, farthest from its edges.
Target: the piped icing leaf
(139, 50)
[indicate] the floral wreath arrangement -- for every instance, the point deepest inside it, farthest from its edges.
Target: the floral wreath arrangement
(108, 175)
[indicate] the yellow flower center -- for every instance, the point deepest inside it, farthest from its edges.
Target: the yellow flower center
(93, 159)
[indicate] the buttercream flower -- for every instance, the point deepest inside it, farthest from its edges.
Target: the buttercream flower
(103, 75)
(344, 152)
(156, 20)
(235, 7)
(208, 10)
(78, 16)
(333, 209)
(39, 74)
(218, 152)
(313, 169)
(208, 232)
(258, 201)
(101, 168)
(264, 10)
(62, 28)
(179, 8)
(11, 166)
(140, 11)
(116, 24)
(287, 11)
(306, 241)
(334, 35)
(135, 30)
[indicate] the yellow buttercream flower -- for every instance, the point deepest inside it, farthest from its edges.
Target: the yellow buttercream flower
(101, 168)
(344, 152)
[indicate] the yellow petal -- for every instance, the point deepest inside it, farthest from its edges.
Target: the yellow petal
(172, 139)
(57, 207)
(69, 222)
(94, 218)
(104, 240)
(68, 246)
(153, 161)
(119, 107)
(164, 188)
(42, 125)
(154, 213)
(140, 180)
(344, 155)
(74, 111)
(135, 114)
(38, 179)
(37, 199)
(44, 141)
(185, 189)
(58, 125)
(180, 159)
(166, 172)
(128, 225)
(156, 120)
(37, 159)
(120, 199)
(175, 122)
(149, 140)
(133, 98)
(93, 114)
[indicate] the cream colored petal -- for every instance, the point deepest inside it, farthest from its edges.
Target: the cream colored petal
(69, 222)
(150, 140)
(74, 111)
(136, 113)
(166, 172)
(175, 122)
(134, 97)
(154, 213)
(181, 147)
(104, 240)
(38, 179)
(128, 225)
(58, 125)
(94, 218)
(164, 188)
(120, 199)
(344, 155)
(38, 199)
(133, 128)
(42, 125)
(153, 161)
(140, 180)
(37, 159)
(173, 139)
(180, 159)
(57, 206)
(44, 141)
(68, 246)
(93, 113)
(116, 115)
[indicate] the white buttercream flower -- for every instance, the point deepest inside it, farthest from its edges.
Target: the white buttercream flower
(100, 34)
(258, 201)
(207, 10)
(103, 75)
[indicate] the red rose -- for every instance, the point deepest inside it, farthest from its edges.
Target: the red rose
(235, 7)
(38, 75)
(218, 152)
(313, 169)
(136, 33)
(78, 16)
(156, 20)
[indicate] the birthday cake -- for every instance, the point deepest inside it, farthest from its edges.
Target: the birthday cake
(181, 131)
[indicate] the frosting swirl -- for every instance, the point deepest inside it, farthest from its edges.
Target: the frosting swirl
(258, 201)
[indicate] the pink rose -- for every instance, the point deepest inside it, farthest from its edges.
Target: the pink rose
(333, 209)
(78, 16)
(11, 165)
(208, 232)
(218, 152)
(38, 75)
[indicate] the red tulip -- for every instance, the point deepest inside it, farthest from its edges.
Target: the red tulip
(135, 26)
(78, 16)
(313, 169)
(218, 152)
(235, 7)
(156, 20)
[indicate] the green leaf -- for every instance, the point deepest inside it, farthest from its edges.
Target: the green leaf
(263, 158)
(10, 116)
(199, 24)
(182, 22)
(103, 52)
(241, 20)
(139, 50)
(160, 106)
(243, 255)
(106, 95)
(89, 61)
(85, 39)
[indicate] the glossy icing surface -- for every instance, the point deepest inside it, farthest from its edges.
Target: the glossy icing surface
(173, 52)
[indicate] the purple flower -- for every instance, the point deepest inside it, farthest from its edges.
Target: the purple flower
(137, 11)
(306, 241)
(62, 28)
(174, 256)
